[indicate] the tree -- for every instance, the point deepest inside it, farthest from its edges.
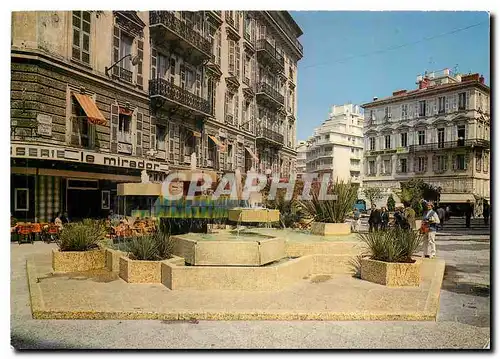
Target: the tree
(391, 203)
(373, 194)
(415, 190)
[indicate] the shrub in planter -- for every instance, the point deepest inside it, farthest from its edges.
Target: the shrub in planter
(390, 259)
(78, 247)
(330, 215)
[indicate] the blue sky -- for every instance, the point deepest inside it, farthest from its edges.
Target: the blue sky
(333, 36)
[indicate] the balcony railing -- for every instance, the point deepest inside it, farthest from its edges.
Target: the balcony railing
(182, 30)
(122, 74)
(270, 135)
(267, 89)
(450, 144)
(164, 88)
(246, 81)
(230, 20)
(125, 137)
(265, 46)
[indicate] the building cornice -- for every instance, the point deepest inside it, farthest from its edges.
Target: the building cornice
(426, 92)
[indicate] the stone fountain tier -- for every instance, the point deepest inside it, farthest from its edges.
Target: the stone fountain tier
(253, 215)
(226, 249)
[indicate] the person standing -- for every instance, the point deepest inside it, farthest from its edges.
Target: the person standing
(448, 213)
(374, 219)
(58, 221)
(442, 215)
(486, 212)
(384, 219)
(64, 218)
(357, 219)
(469, 209)
(430, 221)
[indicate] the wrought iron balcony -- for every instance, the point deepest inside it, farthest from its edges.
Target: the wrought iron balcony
(268, 52)
(122, 74)
(265, 90)
(165, 26)
(160, 88)
(477, 142)
(265, 134)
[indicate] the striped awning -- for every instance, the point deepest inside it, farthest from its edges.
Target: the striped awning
(222, 146)
(249, 150)
(93, 114)
(456, 198)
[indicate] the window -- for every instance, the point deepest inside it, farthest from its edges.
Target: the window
(228, 107)
(461, 101)
(125, 49)
(404, 111)
(231, 54)
(81, 36)
(352, 150)
(460, 163)
(421, 137)
(162, 65)
(388, 112)
(421, 108)
(82, 132)
(387, 141)
(479, 164)
(421, 164)
(441, 102)
(486, 162)
(124, 134)
(160, 137)
(21, 199)
(441, 163)
(371, 115)
(404, 139)
(403, 165)
(461, 135)
(387, 167)
(371, 168)
(440, 137)
(372, 143)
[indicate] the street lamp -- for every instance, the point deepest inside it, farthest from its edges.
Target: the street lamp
(134, 59)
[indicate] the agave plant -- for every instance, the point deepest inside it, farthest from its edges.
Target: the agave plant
(152, 247)
(331, 211)
(291, 213)
(81, 236)
(393, 245)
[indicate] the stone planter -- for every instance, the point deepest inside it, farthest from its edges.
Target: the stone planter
(78, 261)
(391, 274)
(330, 229)
(134, 271)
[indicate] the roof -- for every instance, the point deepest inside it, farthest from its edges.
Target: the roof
(425, 92)
(295, 26)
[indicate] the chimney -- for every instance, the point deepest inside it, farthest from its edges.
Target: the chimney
(472, 77)
(423, 84)
(481, 79)
(399, 92)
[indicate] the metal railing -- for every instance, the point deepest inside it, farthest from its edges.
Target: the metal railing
(123, 74)
(264, 45)
(165, 88)
(182, 30)
(270, 135)
(450, 144)
(267, 89)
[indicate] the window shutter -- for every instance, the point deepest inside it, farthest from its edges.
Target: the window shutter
(455, 102)
(238, 60)
(92, 135)
(435, 163)
(454, 160)
(140, 55)
(114, 128)
(116, 49)
(138, 150)
(466, 161)
(415, 164)
(447, 104)
(205, 150)
(177, 144)
(231, 56)
(446, 160)
(153, 63)
(467, 99)
(435, 108)
(236, 110)
(145, 131)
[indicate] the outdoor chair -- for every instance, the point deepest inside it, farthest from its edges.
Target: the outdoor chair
(24, 233)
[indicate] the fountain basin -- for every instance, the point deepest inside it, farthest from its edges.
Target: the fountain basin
(253, 215)
(228, 249)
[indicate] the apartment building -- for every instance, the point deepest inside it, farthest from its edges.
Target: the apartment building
(99, 96)
(337, 145)
(300, 165)
(439, 132)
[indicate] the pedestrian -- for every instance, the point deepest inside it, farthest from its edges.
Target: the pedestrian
(399, 220)
(486, 212)
(65, 218)
(469, 209)
(374, 219)
(442, 216)
(410, 216)
(448, 213)
(357, 219)
(58, 221)
(384, 219)
(429, 228)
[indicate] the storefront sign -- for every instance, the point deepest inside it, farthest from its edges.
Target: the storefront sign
(44, 125)
(81, 156)
(124, 148)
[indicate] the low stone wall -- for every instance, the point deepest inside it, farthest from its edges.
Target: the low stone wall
(297, 249)
(78, 261)
(391, 274)
(326, 229)
(113, 259)
(272, 277)
(135, 271)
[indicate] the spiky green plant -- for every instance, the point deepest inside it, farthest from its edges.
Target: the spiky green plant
(331, 211)
(81, 236)
(152, 247)
(393, 245)
(291, 213)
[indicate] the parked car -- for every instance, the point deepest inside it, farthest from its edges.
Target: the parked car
(360, 205)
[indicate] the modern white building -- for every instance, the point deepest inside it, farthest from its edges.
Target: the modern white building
(337, 145)
(439, 132)
(300, 165)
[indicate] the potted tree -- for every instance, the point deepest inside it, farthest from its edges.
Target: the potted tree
(330, 215)
(390, 261)
(79, 247)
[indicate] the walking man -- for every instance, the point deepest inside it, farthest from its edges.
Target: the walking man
(442, 215)
(357, 219)
(384, 219)
(410, 215)
(430, 220)
(486, 212)
(374, 219)
(469, 209)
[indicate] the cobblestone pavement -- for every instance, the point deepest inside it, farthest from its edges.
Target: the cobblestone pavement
(463, 320)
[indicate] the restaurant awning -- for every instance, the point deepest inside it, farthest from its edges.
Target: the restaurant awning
(221, 146)
(456, 198)
(249, 150)
(93, 114)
